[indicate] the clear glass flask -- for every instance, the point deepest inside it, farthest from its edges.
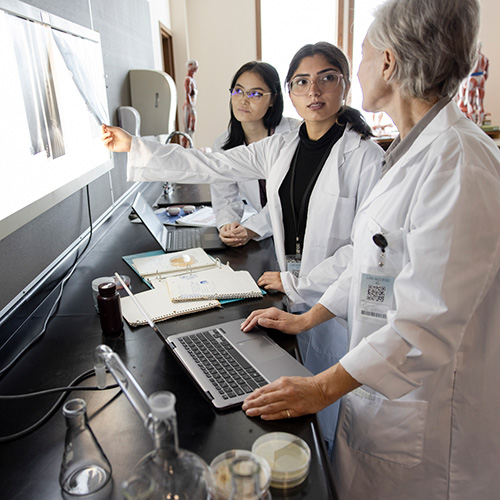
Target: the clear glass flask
(85, 469)
(174, 472)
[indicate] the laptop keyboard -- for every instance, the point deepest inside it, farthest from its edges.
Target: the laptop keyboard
(230, 373)
(186, 238)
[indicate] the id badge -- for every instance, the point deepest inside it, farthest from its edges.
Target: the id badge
(293, 264)
(376, 296)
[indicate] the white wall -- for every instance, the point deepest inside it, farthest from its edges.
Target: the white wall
(160, 12)
(221, 36)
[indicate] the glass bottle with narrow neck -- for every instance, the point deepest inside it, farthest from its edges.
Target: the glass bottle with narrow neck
(175, 472)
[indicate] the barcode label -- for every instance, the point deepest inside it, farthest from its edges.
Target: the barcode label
(374, 314)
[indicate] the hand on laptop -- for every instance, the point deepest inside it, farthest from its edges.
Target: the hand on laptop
(116, 139)
(286, 322)
(290, 397)
(271, 280)
(286, 397)
(235, 235)
(275, 318)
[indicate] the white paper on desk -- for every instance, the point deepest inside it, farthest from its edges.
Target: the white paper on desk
(204, 217)
(157, 304)
(171, 264)
(218, 283)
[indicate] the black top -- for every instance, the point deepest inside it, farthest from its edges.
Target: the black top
(296, 188)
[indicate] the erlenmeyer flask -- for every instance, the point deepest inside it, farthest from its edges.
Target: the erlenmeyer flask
(85, 469)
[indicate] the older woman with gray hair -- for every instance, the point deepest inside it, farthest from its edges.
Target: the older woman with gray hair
(420, 400)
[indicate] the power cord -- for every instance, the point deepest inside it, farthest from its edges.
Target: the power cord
(65, 391)
(58, 298)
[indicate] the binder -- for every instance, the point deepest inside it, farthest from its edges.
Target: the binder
(158, 267)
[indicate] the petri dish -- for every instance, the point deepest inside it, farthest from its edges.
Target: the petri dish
(222, 473)
(173, 210)
(184, 260)
(288, 457)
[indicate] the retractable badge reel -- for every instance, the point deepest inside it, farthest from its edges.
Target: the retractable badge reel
(380, 240)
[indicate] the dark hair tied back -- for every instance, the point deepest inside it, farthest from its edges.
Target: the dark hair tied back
(348, 115)
(357, 122)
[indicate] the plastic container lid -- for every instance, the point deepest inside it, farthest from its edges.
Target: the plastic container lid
(222, 474)
(288, 457)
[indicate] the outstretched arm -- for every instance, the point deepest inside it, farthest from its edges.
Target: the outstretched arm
(116, 139)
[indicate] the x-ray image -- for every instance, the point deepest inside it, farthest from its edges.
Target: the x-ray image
(35, 74)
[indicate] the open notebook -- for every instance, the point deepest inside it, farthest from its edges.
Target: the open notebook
(218, 283)
(159, 307)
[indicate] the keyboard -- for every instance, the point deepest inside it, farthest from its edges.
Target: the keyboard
(185, 238)
(229, 372)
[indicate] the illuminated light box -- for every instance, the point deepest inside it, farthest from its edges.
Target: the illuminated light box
(53, 101)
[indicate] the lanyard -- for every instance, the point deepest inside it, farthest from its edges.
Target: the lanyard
(297, 221)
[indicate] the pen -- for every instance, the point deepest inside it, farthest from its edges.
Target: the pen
(136, 302)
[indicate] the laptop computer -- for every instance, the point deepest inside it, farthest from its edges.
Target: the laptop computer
(173, 240)
(228, 364)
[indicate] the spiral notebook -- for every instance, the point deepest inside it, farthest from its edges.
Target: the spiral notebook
(219, 283)
(159, 306)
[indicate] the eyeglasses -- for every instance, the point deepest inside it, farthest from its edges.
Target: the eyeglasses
(253, 95)
(327, 82)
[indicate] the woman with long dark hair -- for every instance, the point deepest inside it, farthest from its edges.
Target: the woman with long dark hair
(256, 110)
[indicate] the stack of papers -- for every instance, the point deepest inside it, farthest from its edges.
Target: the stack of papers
(184, 282)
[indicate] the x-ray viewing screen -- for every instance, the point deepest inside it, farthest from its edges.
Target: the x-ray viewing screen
(52, 102)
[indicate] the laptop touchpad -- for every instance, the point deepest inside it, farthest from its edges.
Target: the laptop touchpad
(261, 349)
(209, 237)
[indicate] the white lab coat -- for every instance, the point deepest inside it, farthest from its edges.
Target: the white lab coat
(349, 173)
(227, 197)
(426, 422)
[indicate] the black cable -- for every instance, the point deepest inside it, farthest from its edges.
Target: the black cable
(53, 391)
(66, 390)
(59, 296)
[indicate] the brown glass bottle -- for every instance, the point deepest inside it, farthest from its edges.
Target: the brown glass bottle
(108, 302)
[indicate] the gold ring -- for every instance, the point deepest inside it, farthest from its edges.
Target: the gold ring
(288, 414)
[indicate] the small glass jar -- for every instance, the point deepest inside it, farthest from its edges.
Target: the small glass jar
(110, 311)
